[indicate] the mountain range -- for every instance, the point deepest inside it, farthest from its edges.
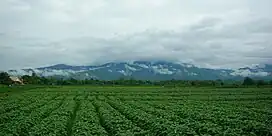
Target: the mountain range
(147, 70)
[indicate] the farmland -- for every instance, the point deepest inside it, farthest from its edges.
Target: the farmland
(125, 111)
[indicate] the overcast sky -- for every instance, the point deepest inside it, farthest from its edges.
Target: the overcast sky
(207, 33)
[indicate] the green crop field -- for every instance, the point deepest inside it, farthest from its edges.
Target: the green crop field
(126, 111)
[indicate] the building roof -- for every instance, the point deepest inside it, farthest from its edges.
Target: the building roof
(16, 79)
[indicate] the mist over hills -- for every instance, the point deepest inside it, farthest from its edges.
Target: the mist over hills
(147, 70)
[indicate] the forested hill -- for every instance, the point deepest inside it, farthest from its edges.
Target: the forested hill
(147, 70)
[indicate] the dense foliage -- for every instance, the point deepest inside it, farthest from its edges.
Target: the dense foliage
(34, 79)
(5, 79)
(89, 110)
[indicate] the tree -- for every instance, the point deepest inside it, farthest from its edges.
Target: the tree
(193, 83)
(220, 82)
(44, 81)
(248, 81)
(261, 83)
(34, 74)
(5, 79)
(34, 79)
(213, 83)
(26, 79)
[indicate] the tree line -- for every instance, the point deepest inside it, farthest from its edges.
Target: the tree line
(36, 80)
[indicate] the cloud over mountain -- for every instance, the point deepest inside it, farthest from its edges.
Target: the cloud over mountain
(216, 34)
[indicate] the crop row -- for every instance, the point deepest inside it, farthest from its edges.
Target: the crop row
(100, 111)
(16, 101)
(199, 126)
(36, 116)
(23, 111)
(155, 125)
(114, 122)
(87, 121)
(11, 120)
(56, 123)
(223, 118)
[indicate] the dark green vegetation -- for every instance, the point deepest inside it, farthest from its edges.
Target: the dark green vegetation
(86, 110)
(36, 80)
(4, 78)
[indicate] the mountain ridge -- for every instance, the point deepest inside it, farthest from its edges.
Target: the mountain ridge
(146, 70)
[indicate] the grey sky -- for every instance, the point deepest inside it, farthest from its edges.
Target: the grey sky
(210, 33)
